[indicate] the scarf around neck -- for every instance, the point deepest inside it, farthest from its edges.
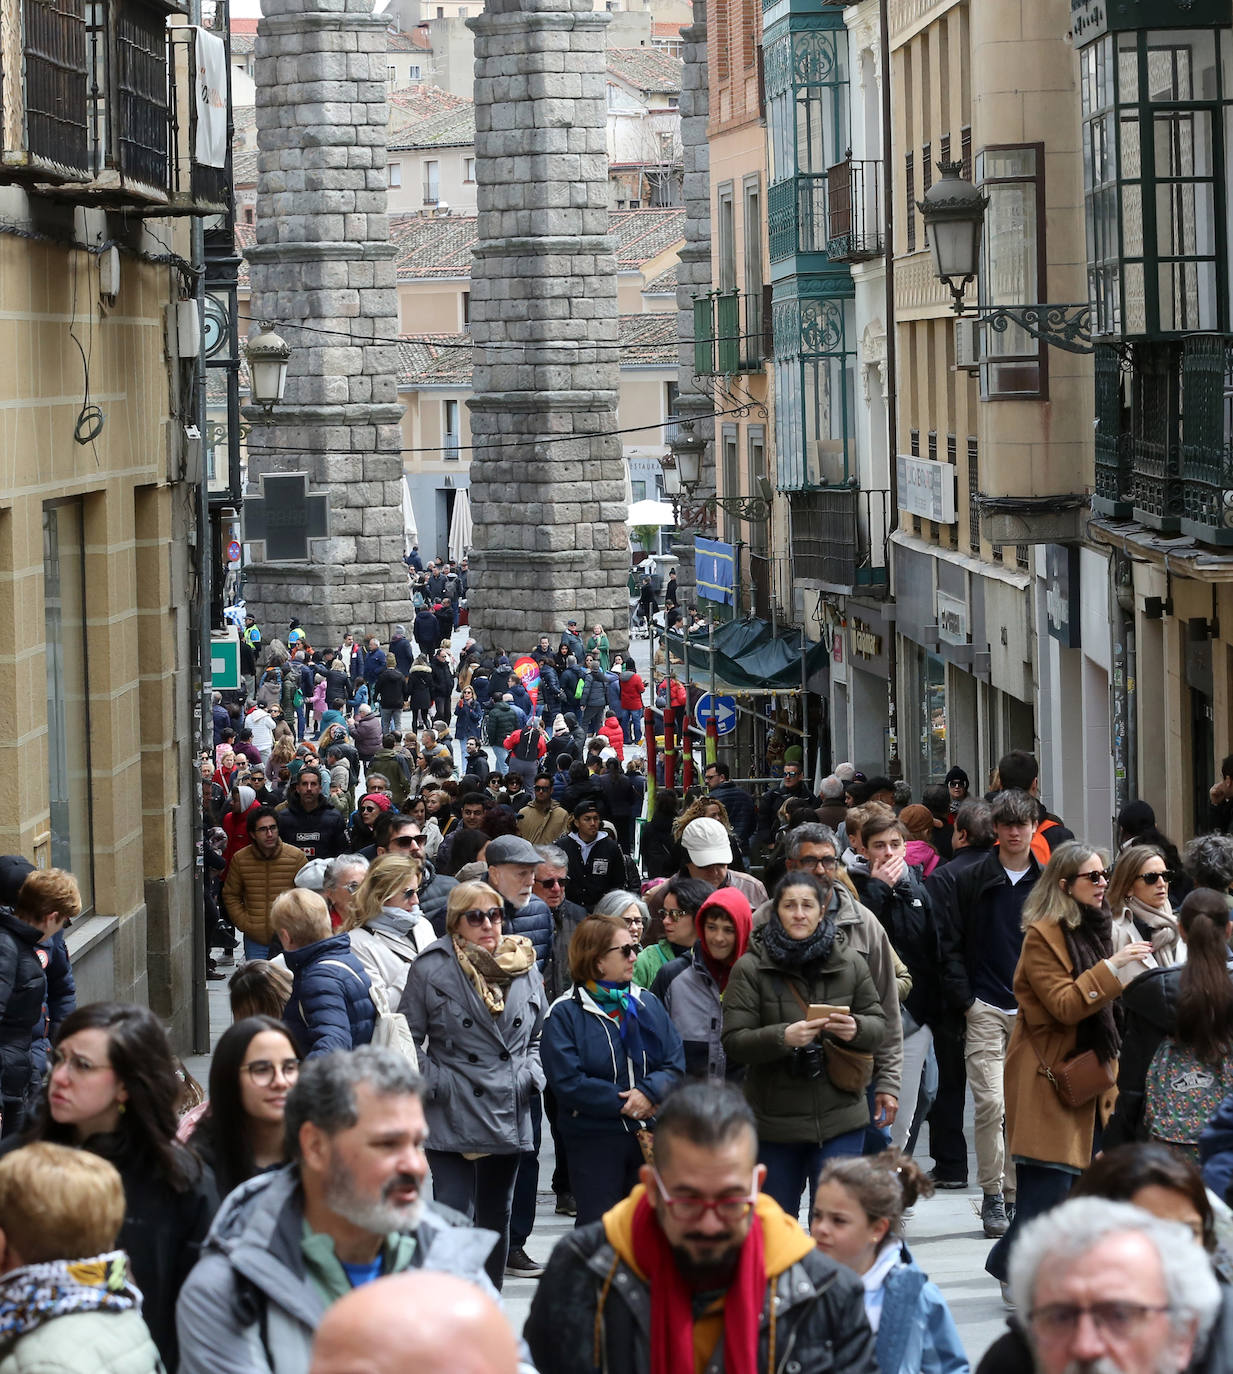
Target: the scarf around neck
(618, 1003)
(491, 974)
(1161, 923)
(38, 1293)
(1087, 944)
(794, 954)
(672, 1313)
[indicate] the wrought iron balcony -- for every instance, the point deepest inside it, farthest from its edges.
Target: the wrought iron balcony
(1207, 438)
(854, 210)
(839, 537)
(796, 216)
(731, 332)
(44, 116)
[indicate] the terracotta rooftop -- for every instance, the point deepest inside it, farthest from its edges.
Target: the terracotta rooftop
(430, 247)
(423, 116)
(650, 70)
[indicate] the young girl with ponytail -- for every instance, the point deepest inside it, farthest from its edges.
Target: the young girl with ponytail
(857, 1219)
(1179, 1032)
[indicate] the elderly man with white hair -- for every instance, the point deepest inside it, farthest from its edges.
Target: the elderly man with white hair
(1105, 1288)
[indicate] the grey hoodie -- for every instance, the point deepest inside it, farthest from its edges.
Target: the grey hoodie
(249, 1306)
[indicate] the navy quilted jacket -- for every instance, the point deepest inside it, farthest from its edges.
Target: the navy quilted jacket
(330, 1007)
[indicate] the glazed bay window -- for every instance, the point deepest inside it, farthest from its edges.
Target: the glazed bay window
(1156, 154)
(806, 74)
(815, 381)
(1013, 363)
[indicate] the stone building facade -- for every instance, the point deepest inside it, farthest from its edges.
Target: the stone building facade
(547, 482)
(323, 262)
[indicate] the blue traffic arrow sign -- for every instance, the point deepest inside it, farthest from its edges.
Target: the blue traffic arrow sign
(725, 713)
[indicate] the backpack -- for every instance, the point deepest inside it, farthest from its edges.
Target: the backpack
(1181, 1094)
(390, 1030)
(579, 689)
(528, 743)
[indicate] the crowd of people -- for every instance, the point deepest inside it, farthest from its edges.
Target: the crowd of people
(459, 939)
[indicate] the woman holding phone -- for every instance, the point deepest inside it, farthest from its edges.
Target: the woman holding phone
(801, 1013)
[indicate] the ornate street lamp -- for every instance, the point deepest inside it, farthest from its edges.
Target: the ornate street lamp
(954, 214)
(682, 469)
(268, 354)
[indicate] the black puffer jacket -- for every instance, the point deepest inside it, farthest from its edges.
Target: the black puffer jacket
(589, 1294)
(23, 990)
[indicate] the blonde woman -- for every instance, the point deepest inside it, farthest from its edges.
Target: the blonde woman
(1139, 899)
(475, 1003)
(385, 923)
(1067, 984)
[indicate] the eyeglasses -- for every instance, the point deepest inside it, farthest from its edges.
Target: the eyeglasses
(262, 1071)
(1154, 878)
(829, 862)
(265, 830)
(692, 1209)
(368, 806)
(791, 772)
(543, 787)
(491, 917)
(625, 951)
(350, 887)
(551, 882)
(1097, 875)
(75, 1065)
(1057, 1321)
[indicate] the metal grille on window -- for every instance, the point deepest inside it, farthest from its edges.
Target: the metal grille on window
(973, 495)
(910, 186)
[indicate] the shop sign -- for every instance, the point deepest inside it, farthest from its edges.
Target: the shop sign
(952, 619)
(837, 646)
(1062, 594)
(926, 488)
(865, 644)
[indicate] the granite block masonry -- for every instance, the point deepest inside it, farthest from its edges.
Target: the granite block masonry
(547, 471)
(323, 270)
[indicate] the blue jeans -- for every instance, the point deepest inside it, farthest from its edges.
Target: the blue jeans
(391, 719)
(789, 1167)
(499, 755)
(252, 950)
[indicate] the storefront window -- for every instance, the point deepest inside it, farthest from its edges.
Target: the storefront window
(68, 709)
(933, 717)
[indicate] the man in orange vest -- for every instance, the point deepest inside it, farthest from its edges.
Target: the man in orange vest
(1019, 769)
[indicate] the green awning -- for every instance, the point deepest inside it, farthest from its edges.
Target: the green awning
(751, 657)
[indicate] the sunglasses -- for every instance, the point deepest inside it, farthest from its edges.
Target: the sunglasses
(410, 892)
(491, 917)
(551, 882)
(1097, 875)
(1154, 878)
(625, 951)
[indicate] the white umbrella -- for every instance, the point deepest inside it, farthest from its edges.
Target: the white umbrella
(462, 527)
(650, 513)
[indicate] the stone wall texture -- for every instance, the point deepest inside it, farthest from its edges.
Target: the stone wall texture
(323, 261)
(547, 472)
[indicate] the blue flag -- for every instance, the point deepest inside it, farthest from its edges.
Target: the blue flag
(715, 570)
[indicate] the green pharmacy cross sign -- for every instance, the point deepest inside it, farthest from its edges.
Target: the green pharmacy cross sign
(284, 516)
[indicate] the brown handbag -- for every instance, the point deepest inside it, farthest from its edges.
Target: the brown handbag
(1076, 1081)
(851, 1071)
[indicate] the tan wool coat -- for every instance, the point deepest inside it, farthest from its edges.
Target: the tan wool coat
(1052, 1002)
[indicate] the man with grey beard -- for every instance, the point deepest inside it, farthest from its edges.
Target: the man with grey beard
(345, 1211)
(1106, 1288)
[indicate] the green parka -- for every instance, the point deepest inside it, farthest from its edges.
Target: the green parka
(759, 1007)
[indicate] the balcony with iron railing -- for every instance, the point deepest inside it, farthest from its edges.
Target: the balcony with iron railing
(854, 210)
(732, 332)
(796, 216)
(840, 537)
(104, 105)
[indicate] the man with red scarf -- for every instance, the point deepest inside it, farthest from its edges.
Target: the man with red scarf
(696, 1263)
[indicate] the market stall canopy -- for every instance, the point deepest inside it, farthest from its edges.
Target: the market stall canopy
(751, 657)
